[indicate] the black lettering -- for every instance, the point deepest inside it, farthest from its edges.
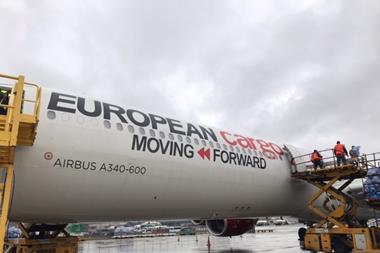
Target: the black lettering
(97, 111)
(173, 124)
(78, 164)
(232, 157)
(155, 119)
(208, 132)
(103, 167)
(171, 147)
(241, 159)
(191, 129)
(59, 98)
(86, 165)
(131, 116)
(93, 166)
(57, 163)
(117, 110)
(249, 161)
(256, 161)
(164, 148)
(263, 163)
(178, 149)
(136, 145)
(70, 163)
(189, 152)
(225, 157)
(216, 154)
(153, 145)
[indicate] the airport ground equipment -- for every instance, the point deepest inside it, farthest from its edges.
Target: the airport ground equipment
(339, 230)
(19, 114)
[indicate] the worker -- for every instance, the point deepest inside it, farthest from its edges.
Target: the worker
(317, 159)
(4, 100)
(340, 152)
(354, 155)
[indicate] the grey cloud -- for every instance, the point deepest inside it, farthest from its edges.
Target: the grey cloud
(301, 73)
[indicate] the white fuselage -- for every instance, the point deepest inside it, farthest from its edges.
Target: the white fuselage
(93, 168)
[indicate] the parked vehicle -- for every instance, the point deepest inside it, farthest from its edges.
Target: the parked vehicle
(160, 230)
(123, 231)
(186, 231)
(262, 223)
(280, 222)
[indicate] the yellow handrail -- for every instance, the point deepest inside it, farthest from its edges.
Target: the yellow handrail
(11, 108)
(7, 106)
(32, 84)
(9, 77)
(28, 100)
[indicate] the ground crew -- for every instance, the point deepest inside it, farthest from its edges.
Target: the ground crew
(316, 159)
(354, 155)
(340, 152)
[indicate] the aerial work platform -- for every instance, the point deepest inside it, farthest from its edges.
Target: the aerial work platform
(339, 230)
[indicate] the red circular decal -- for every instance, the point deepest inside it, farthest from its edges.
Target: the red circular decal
(48, 155)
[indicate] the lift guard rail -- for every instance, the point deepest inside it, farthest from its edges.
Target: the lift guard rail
(365, 160)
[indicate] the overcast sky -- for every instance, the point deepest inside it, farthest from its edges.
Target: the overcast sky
(300, 72)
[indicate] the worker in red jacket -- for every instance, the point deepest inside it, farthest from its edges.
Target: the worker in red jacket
(317, 159)
(340, 152)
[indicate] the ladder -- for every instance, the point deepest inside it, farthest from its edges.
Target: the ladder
(338, 226)
(17, 128)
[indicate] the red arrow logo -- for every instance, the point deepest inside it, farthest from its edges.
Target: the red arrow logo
(204, 153)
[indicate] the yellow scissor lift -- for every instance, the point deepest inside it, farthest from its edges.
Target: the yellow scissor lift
(338, 230)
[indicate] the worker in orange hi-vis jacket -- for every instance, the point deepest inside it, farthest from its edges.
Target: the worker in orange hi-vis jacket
(340, 152)
(317, 159)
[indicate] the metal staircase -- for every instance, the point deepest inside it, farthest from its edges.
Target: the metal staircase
(17, 128)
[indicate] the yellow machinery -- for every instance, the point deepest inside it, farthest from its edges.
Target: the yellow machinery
(339, 230)
(19, 113)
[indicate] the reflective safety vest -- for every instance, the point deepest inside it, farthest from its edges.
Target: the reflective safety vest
(315, 157)
(339, 149)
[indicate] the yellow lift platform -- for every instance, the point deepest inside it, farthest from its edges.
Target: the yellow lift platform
(19, 114)
(338, 230)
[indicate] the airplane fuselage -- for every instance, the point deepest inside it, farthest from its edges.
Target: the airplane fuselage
(95, 161)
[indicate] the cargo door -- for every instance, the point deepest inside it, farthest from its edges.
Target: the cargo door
(297, 156)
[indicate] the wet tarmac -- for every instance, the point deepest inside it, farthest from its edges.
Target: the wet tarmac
(283, 239)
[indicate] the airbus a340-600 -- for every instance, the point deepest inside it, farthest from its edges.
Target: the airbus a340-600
(95, 161)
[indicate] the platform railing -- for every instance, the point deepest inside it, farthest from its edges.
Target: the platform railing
(370, 160)
(33, 89)
(364, 161)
